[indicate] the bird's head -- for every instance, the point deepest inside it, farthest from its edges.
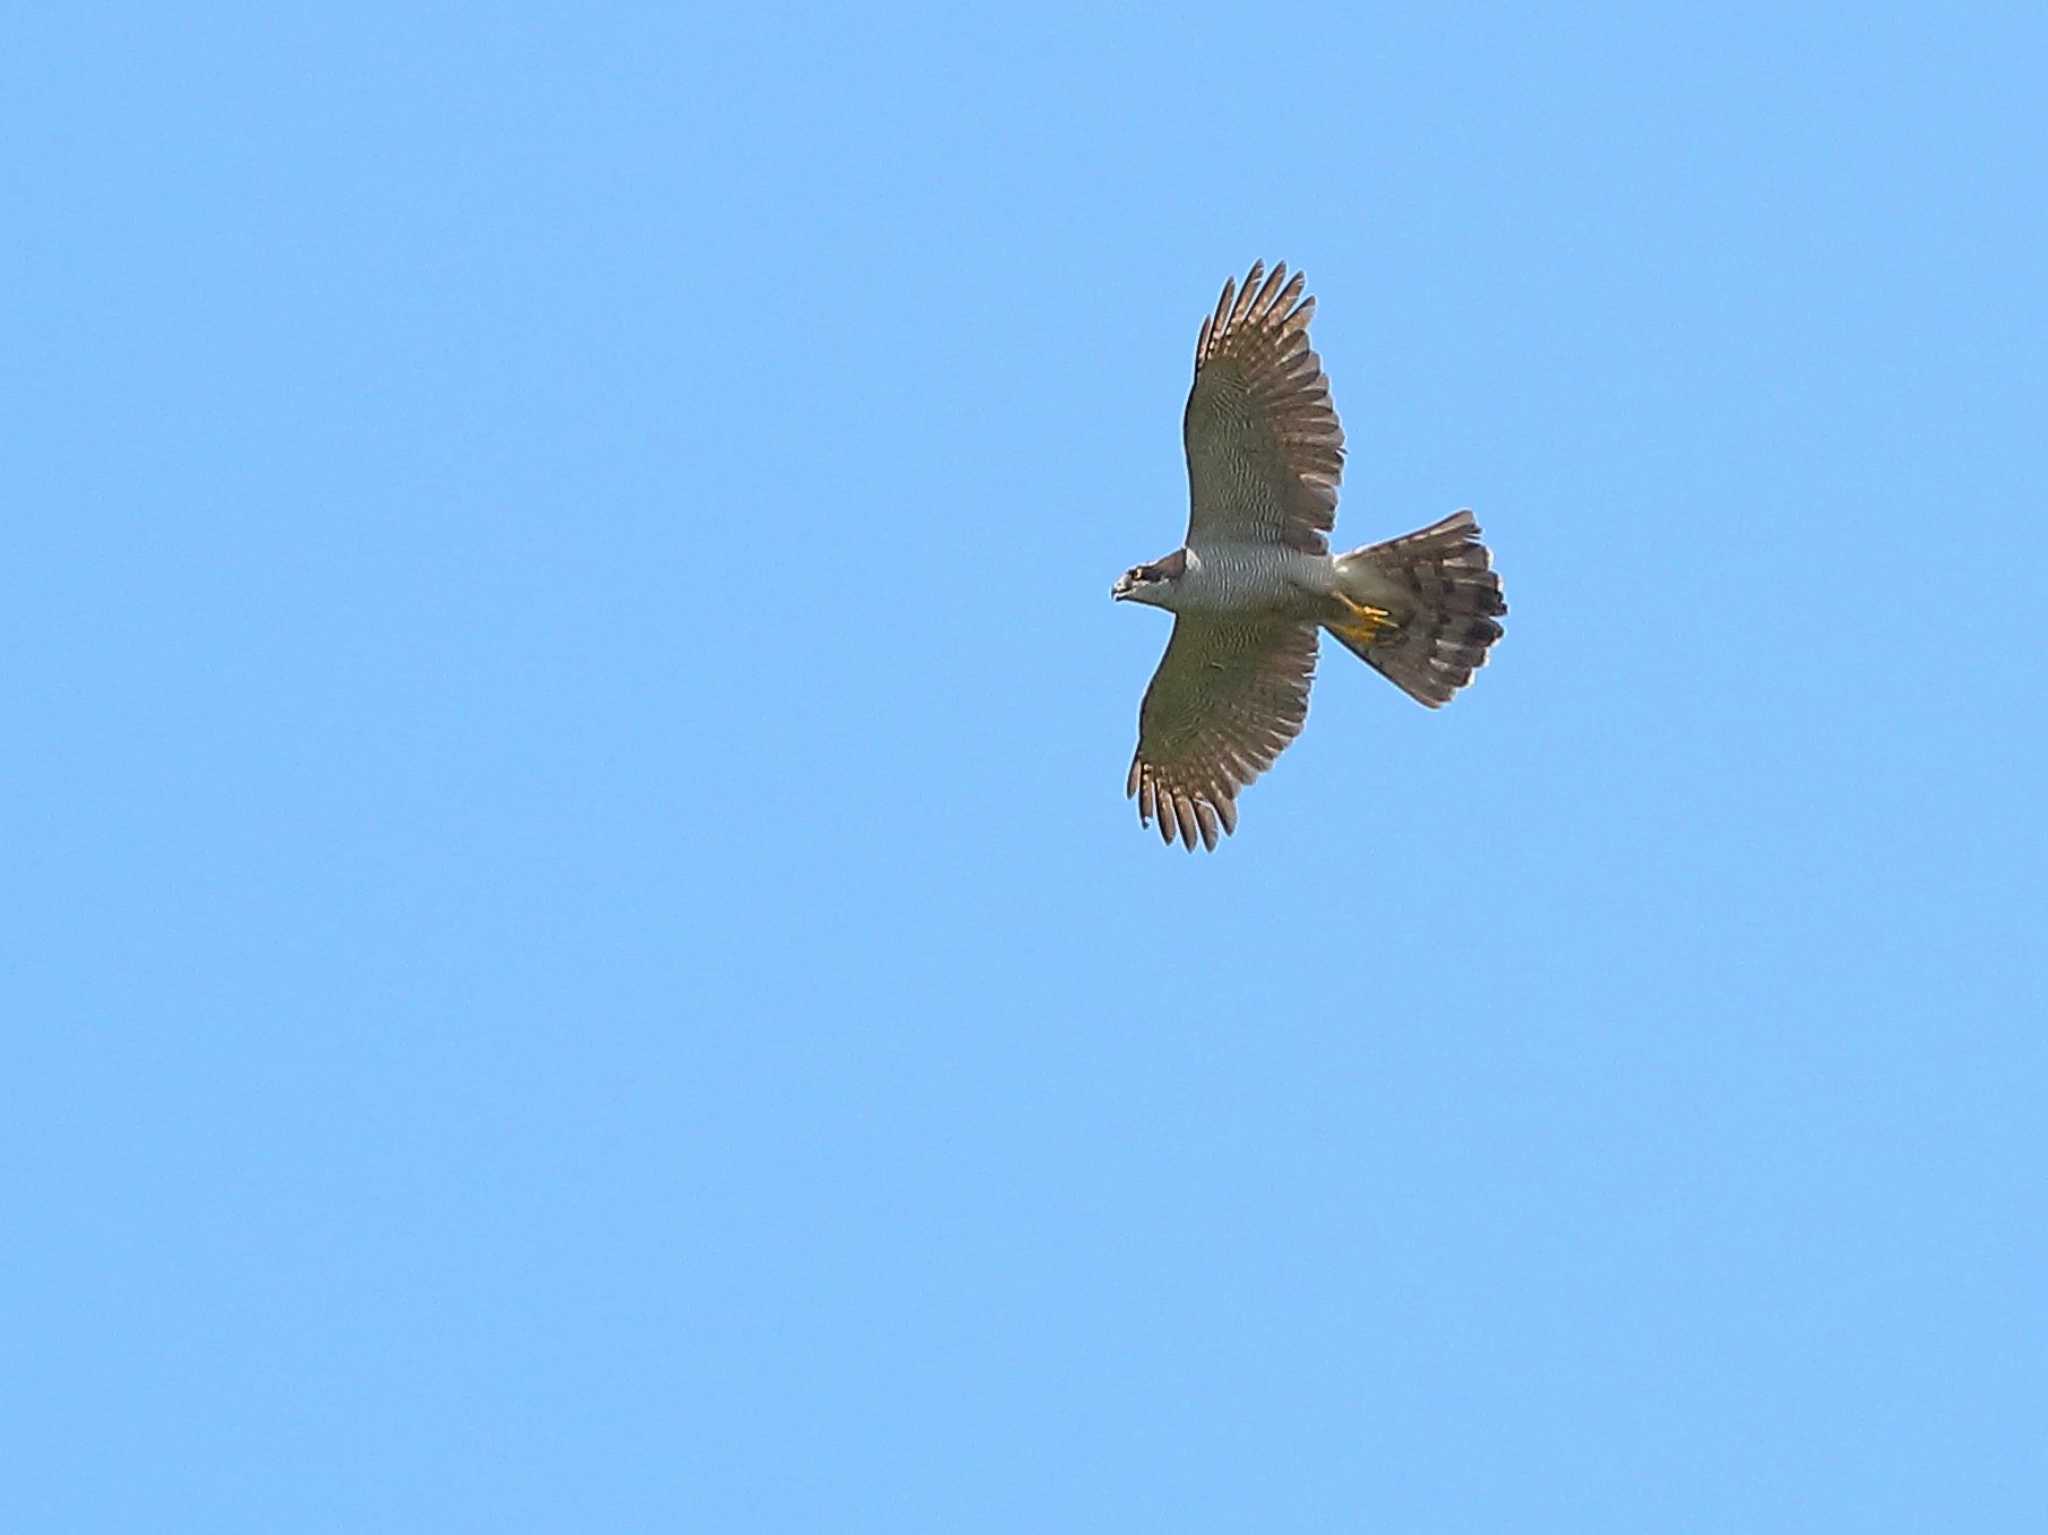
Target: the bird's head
(1151, 583)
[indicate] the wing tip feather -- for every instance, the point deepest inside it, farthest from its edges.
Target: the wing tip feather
(1185, 815)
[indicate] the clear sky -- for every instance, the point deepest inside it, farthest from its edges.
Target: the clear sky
(578, 960)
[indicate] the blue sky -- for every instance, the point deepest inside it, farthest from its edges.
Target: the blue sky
(578, 958)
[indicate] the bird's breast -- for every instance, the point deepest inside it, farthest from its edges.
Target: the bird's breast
(1246, 578)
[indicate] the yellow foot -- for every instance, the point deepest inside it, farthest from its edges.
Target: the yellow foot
(1364, 625)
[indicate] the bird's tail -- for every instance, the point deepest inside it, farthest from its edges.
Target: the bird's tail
(1422, 609)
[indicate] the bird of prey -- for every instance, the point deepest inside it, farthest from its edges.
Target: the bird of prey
(1254, 583)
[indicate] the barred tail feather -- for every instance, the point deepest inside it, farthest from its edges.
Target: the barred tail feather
(1441, 601)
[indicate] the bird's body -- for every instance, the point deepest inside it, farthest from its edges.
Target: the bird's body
(1254, 583)
(1252, 578)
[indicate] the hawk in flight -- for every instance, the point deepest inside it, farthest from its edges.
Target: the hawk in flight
(1254, 583)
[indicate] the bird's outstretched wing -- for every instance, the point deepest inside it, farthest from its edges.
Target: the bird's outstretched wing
(1264, 448)
(1228, 697)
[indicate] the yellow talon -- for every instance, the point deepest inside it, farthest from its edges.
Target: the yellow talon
(1367, 623)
